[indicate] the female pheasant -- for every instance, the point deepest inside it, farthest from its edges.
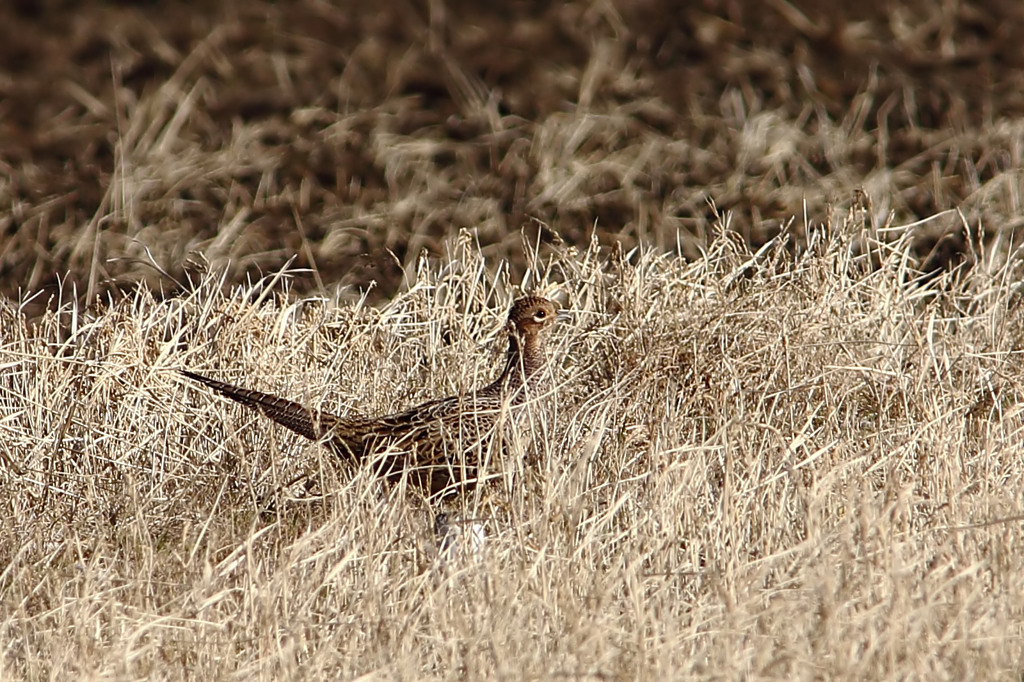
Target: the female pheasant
(440, 444)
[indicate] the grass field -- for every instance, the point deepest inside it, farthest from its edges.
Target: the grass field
(786, 441)
(758, 465)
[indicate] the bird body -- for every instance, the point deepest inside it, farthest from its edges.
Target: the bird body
(439, 444)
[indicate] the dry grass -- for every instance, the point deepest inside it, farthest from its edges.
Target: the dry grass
(354, 135)
(759, 466)
(795, 460)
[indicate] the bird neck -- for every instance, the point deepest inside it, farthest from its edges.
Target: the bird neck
(524, 361)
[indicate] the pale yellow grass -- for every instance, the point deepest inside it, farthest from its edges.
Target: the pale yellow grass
(760, 466)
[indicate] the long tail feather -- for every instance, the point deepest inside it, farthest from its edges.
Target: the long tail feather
(288, 414)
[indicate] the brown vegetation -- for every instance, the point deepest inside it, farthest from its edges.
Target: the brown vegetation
(766, 465)
(354, 137)
(787, 435)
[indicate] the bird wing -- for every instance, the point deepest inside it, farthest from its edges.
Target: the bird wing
(436, 443)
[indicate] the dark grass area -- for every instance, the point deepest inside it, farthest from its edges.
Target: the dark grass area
(359, 134)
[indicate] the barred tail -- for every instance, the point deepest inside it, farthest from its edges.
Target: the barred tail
(288, 414)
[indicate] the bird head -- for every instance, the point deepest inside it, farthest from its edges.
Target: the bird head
(532, 316)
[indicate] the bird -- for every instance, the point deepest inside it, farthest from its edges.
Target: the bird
(439, 445)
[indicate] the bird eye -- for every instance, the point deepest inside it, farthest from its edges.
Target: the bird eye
(540, 314)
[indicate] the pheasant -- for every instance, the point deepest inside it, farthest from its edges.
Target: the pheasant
(438, 445)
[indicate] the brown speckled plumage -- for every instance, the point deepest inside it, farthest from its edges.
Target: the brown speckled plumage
(435, 444)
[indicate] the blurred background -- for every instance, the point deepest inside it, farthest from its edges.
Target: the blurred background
(139, 140)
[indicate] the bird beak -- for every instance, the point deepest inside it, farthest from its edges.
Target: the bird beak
(564, 316)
